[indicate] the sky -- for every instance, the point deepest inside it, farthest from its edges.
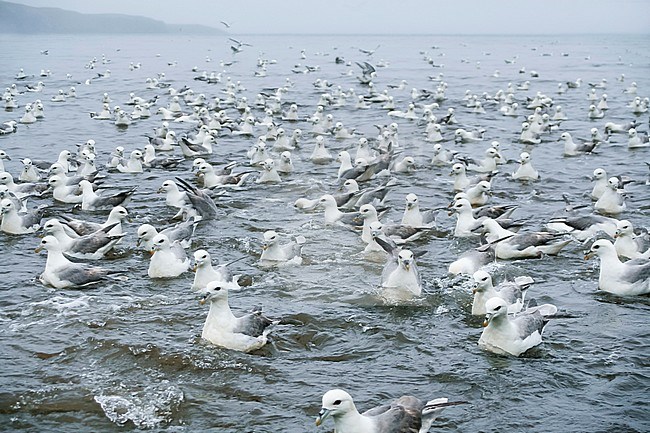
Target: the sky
(384, 16)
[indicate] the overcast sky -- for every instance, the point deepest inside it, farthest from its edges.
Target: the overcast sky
(385, 16)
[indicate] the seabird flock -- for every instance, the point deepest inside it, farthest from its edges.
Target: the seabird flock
(287, 138)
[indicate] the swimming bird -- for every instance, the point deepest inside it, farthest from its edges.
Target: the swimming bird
(405, 414)
(20, 204)
(15, 223)
(61, 273)
(88, 166)
(29, 172)
(59, 97)
(92, 201)
(526, 171)
(165, 143)
(174, 197)
(511, 245)
(268, 173)
(181, 232)
(466, 223)
(369, 215)
(320, 154)
(22, 190)
(572, 149)
(442, 156)
(513, 292)
(114, 220)
(218, 178)
(206, 273)
(504, 335)
(222, 328)
(405, 165)
(413, 216)
(191, 150)
(461, 181)
(583, 227)
(276, 254)
(487, 165)
(469, 220)
(354, 197)
(620, 278)
(92, 246)
(133, 164)
(636, 141)
(346, 162)
(368, 73)
(200, 201)
(612, 201)
(599, 178)
(620, 128)
(115, 158)
(472, 260)
(527, 136)
(284, 164)
(8, 127)
(168, 259)
(559, 114)
(595, 113)
(332, 214)
(479, 194)
(151, 160)
(400, 279)
(630, 245)
(64, 159)
(463, 136)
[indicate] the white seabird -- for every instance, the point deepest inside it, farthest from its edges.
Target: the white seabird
(612, 201)
(62, 192)
(206, 273)
(133, 164)
(222, 328)
(400, 279)
(181, 232)
(61, 273)
(115, 218)
(504, 335)
(620, 278)
(630, 245)
(276, 254)
(511, 245)
(92, 201)
(15, 223)
(174, 197)
(320, 154)
(572, 148)
(513, 292)
(168, 260)
(268, 174)
(636, 141)
(479, 194)
(93, 246)
(406, 414)
(413, 216)
(21, 189)
(526, 171)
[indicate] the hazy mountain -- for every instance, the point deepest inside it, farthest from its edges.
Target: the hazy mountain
(16, 18)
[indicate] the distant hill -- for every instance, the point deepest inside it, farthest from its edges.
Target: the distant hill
(17, 18)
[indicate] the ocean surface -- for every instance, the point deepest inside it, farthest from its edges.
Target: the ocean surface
(129, 356)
